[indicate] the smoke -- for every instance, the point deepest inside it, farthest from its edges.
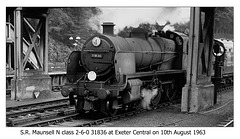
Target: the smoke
(94, 23)
(135, 15)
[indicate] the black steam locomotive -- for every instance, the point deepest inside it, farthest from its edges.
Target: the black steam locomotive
(111, 72)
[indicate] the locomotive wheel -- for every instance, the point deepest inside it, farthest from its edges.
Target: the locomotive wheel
(155, 101)
(170, 92)
(109, 108)
(79, 105)
(72, 99)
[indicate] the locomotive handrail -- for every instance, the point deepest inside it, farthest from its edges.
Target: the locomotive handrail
(103, 62)
(150, 52)
(94, 51)
(158, 63)
(140, 74)
(146, 52)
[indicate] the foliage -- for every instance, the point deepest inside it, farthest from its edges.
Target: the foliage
(182, 27)
(125, 32)
(223, 23)
(145, 26)
(57, 51)
(83, 22)
(223, 20)
(70, 22)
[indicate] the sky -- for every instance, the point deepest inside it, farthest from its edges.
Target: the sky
(132, 16)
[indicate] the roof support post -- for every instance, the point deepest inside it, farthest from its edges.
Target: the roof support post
(197, 94)
(30, 53)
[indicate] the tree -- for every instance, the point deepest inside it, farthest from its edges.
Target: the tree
(125, 32)
(223, 20)
(70, 22)
(182, 27)
(145, 26)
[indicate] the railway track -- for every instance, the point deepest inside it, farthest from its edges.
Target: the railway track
(15, 110)
(227, 123)
(225, 89)
(100, 121)
(63, 115)
(20, 115)
(230, 121)
(59, 113)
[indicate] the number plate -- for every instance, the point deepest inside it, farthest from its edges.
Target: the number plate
(96, 56)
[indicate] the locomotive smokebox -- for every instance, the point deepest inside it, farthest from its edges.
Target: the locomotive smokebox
(108, 28)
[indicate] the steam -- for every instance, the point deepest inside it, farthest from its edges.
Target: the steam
(147, 95)
(135, 15)
(168, 27)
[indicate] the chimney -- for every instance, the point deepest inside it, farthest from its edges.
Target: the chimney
(108, 28)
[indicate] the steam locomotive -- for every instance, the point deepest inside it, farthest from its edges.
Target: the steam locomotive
(111, 72)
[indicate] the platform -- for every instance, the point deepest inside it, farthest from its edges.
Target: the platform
(41, 98)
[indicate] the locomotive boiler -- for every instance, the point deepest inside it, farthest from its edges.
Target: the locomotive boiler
(110, 71)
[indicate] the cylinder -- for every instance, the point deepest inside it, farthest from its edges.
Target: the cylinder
(65, 91)
(103, 93)
(133, 91)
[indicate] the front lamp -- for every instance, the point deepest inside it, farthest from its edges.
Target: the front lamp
(92, 75)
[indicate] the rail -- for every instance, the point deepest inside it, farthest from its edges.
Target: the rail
(68, 117)
(227, 123)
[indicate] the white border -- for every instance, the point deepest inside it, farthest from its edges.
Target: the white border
(212, 132)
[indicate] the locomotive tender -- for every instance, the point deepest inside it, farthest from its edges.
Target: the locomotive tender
(110, 71)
